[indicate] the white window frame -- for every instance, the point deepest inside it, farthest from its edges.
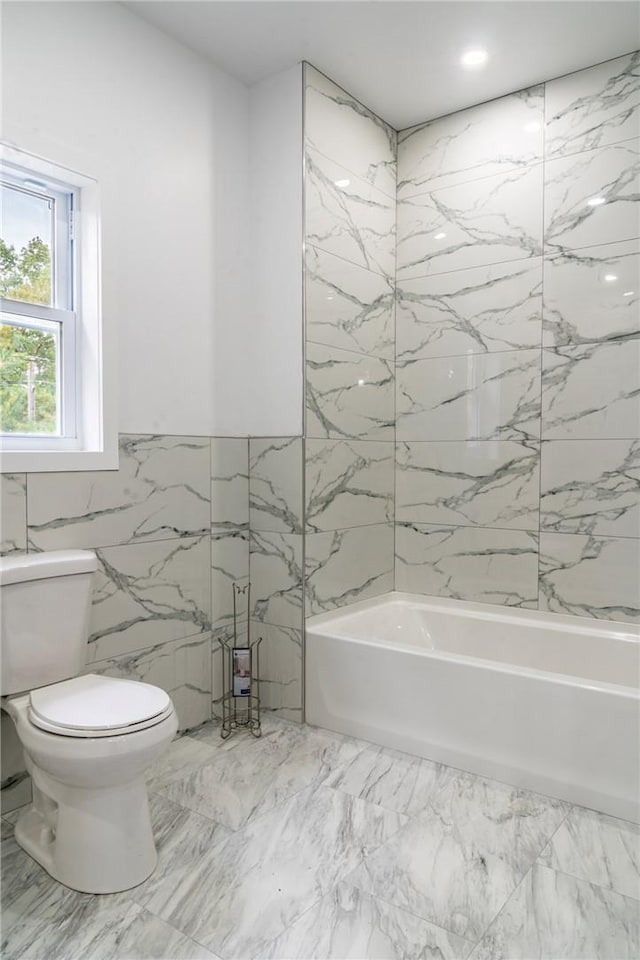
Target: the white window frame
(88, 439)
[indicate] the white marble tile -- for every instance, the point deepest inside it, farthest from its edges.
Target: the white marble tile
(183, 755)
(591, 846)
(149, 593)
(348, 395)
(275, 484)
(552, 915)
(482, 310)
(348, 483)
(229, 565)
(491, 483)
(340, 127)
(275, 562)
(591, 391)
(590, 576)
(280, 670)
(593, 107)
(248, 889)
(13, 513)
(472, 224)
(343, 566)
(159, 491)
(348, 217)
(16, 782)
(347, 925)
(457, 863)
(591, 486)
(468, 563)
(488, 139)
(592, 294)
(575, 188)
(229, 483)
(481, 397)
(346, 306)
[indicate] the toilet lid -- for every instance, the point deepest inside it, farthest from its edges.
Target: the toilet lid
(98, 706)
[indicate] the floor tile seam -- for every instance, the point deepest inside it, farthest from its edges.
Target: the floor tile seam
(506, 903)
(594, 883)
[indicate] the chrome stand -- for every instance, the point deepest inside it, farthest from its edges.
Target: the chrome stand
(241, 711)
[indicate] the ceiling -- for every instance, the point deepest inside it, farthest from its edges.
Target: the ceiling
(402, 58)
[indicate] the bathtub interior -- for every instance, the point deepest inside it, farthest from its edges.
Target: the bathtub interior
(601, 652)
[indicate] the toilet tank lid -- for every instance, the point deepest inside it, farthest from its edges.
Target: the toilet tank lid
(42, 566)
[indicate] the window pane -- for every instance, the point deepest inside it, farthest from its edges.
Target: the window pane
(26, 238)
(28, 379)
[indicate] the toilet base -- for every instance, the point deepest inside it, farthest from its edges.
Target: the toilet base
(92, 840)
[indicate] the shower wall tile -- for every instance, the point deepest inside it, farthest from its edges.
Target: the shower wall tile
(275, 484)
(229, 565)
(472, 224)
(348, 307)
(340, 127)
(344, 566)
(484, 140)
(592, 294)
(483, 397)
(280, 669)
(275, 562)
(13, 513)
(229, 483)
(149, 593)
(348, 217)
(483, 310)
(590, 576)
(591, 487)
(348, 483)
(591, 391)
(348, 395)
(593, 107)
(487, 483)
(575, 188)
(468, 563)
(160, 491)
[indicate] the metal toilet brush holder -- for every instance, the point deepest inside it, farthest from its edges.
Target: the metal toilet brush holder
(241, 673)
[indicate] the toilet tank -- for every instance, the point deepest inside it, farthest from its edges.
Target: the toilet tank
(44, 617)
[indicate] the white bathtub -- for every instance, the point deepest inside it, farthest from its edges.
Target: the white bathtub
(543, 701)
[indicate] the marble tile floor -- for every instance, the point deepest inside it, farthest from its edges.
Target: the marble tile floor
(306, 844)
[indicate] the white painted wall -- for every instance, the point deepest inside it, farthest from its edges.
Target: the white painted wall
(93, 87)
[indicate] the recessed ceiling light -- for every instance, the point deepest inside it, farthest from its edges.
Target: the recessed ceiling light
(342, 183)
(610, 277)
(628, 293)
(474, 58)
(439, 236)
(596, 201)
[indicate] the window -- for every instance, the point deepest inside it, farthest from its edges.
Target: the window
(53, 414)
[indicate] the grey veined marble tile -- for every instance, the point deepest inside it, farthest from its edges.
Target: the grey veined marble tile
(149, 593)
(481, 397)
(488, 139)
(229, 565)
(347, 306)
(593, 107)
(457, 863)
(491, 483)
(275, 484)
(468, 563)
(482, 310)
(591, 391)
(590, 576)
(592, 198)
(280, 671)
(348, 217)
(472, 224)
(347, 925)
(340, 127)
(348, 395)
(603, 850)
(229, 483)
(343, 566)
(348, 483)
(591, 486)
(552, 915)
(592, 294)
(13, 513)
(275, 562)
(159, 491)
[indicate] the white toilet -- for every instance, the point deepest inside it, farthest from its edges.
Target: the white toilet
(87, 739)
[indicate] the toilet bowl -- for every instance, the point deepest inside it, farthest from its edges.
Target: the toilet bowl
(87, 740)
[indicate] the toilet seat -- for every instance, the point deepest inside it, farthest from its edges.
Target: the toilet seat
(96, 706)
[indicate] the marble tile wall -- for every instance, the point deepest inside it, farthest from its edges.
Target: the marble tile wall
(350, 216)
(518, 350)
